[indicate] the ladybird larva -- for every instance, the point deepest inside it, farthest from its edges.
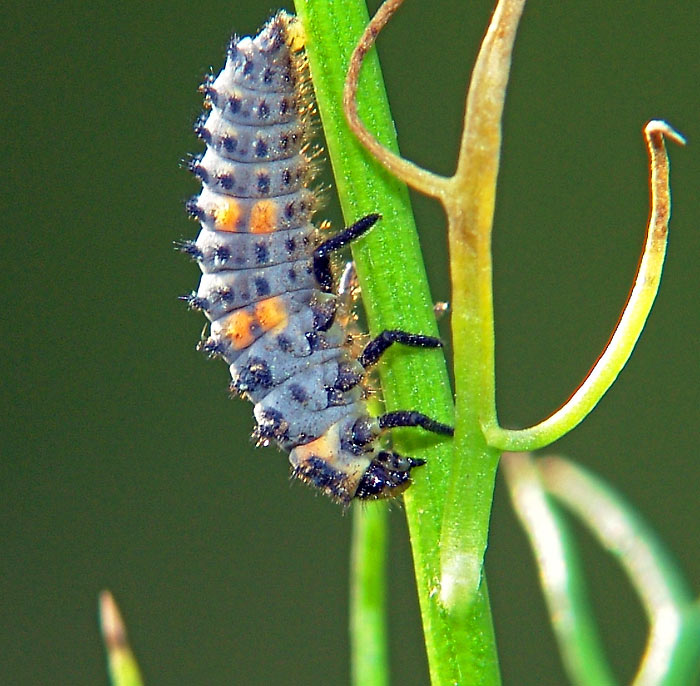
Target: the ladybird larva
(267, 284)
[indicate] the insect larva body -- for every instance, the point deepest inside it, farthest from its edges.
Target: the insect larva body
(267, 284)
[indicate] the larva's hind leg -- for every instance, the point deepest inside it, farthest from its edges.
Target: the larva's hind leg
(366, 429)
(392, 420)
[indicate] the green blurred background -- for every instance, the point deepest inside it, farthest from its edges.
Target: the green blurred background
(124, 464)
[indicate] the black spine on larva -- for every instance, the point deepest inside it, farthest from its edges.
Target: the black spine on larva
(266, 283)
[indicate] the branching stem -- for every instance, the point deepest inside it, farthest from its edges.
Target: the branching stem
(632, 319)
(410, 173)
(469, 200)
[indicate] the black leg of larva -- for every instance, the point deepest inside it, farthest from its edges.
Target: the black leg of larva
(321, 256)
(376, 347)
(391, 420)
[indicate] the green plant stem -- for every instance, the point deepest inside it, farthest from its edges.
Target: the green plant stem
(672, 656)
(461, 649)
(560, 572)
(368, 631)
(469, 202)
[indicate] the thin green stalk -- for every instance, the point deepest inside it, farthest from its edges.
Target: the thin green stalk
(123, 669)
(461, 649)
(368, 631)
(672, 655)
(561, 574)
(470, 206)
(632, 320)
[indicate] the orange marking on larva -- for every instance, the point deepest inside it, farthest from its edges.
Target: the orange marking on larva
(238, 328)
(263, 217)
(227, 214)
(324, 447)
(270, 313)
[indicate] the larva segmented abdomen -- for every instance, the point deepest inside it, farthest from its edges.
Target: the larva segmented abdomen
(271, 320)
